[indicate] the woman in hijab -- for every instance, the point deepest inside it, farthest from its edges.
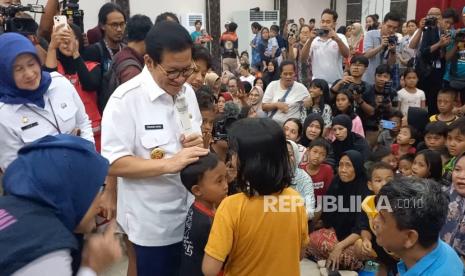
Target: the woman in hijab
(339, 230)
(271, 72)
(255, 102)
(313, 128)
(49, 199)
(213, 81)
(301, 181)
(34, 103)
(64, 57)
(356, 40)
(346, 139)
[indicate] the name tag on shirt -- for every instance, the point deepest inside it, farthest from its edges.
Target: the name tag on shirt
(30, 126)
(153, 127)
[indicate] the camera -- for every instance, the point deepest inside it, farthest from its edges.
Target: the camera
(321, 32)
(392, 40)
(22, 25)
(355, 88)
(220, 128)
(431, 22)
(71, 10)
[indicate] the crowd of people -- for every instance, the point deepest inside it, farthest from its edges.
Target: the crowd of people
(344, 146)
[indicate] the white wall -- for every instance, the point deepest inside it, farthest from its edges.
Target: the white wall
(411, 9)
(228, 7)
(306, 9)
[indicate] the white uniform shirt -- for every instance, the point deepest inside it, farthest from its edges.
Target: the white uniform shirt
(274, 92)
(20, 126)
(327, 59)
(139, 117)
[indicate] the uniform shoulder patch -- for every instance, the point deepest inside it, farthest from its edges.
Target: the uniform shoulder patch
(125, 88)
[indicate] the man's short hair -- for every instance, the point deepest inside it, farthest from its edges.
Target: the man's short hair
(360, 59)
(166, 16)
(405, 196)
(232, 27)
(197, 22)
(106, 9)
(391, 16)
(383, 69)
(166, 36)
(256, 25)
(312, 20)
(138, 26)
(332, 12)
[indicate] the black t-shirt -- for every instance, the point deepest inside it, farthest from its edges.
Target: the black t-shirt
(368, 95)
(197, 229)
(229, 44)
(98, 52)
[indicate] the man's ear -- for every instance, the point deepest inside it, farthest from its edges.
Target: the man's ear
(149, 62)
(412, 239)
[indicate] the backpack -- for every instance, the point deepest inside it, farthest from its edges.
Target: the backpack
(110, 80)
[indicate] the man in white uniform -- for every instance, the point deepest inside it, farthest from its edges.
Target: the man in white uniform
(147, 146)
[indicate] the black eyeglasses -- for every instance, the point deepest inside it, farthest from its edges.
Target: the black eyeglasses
(172, 75)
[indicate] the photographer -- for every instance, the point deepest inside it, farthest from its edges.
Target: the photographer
(304, 73)
(431, 38)
(326, 49)
(380, 45)
(363, 93)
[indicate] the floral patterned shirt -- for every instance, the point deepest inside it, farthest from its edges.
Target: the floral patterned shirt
(453, 231)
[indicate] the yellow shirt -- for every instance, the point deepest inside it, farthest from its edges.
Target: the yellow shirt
(434, 118)
(259, 237)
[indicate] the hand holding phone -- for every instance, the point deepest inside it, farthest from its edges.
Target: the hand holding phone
(60, 20)
(388, 124)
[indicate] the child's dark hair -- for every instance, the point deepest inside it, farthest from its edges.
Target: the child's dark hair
(449, 91)
(458, 124)
(326, 98)
(408, 157)
(205, 99)
(360, 59)
(378, 166)
(297, 122)
(247, 86)
(193, 173)
(262, 156)
(246, 53)
(379, 154)
(408, 71)
(274, 28)
(395, 114)
(434, 162)
(350, 111)
(320, 142)
(413, 134)
(437, 127)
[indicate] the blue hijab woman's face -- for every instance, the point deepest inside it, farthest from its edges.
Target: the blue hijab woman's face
(26, 72)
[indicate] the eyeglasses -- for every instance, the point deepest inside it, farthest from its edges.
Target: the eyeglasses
(172, 75)
(115, 26)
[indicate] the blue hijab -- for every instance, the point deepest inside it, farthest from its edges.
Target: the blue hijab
(62, 172)
(11, 46)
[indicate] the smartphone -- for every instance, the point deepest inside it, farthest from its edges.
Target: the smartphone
(388, 124)
(60, 20)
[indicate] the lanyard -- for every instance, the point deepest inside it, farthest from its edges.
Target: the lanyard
(109, 50)
(56, 126)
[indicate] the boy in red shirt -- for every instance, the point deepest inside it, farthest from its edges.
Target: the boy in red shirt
(321, 173)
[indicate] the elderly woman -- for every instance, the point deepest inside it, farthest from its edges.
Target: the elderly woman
(34, 103)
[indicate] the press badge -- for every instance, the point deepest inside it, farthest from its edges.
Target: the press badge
(153, 127)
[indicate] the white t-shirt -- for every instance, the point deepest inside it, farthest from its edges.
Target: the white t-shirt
(139, 117)
(294, 99)
(408, 99)
(249, 78)
(327, 59)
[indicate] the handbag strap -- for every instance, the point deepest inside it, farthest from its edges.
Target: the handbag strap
(283, 99)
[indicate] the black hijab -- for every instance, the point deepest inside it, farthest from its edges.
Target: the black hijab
(346, 223)
(68, 62)
(304, 141)
(353, 140)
